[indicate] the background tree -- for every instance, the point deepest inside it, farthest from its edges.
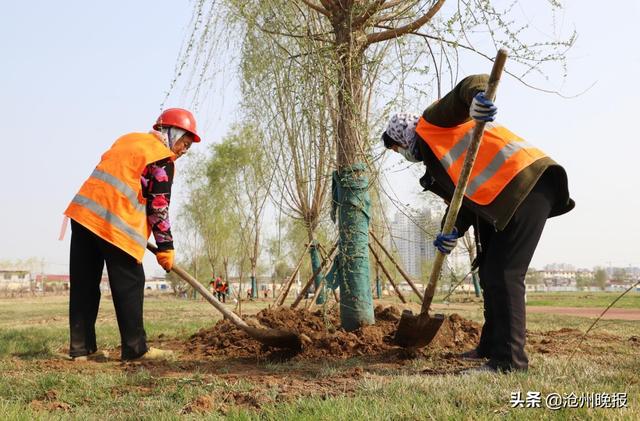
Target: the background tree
(600, 278)
(237, 172)
(293, 109)
(208, 221)
(534, 277)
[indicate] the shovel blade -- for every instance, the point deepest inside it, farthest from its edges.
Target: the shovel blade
(275, 338)
(417, 331)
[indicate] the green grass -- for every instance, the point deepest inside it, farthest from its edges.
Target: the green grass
(34, 385)
(584, 299)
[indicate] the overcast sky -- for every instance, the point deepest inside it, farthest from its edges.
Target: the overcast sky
(76, 75)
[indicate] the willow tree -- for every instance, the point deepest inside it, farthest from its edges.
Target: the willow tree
(207, 216)
(237, 170)
(356, 37)
(293, 109)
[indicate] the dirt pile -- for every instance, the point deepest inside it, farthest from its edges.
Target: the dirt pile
(328, 340)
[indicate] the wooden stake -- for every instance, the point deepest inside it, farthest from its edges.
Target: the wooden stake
(315, 296)
(402, 272)
(387, 274)
(282, 295)
(310, 281)
(335, 295)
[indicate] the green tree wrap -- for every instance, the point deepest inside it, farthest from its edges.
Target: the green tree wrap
(315, 265)
(476, 283)
(351, 204)
(254, 287)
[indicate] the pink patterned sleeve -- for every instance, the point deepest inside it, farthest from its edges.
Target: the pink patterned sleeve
(156, 181)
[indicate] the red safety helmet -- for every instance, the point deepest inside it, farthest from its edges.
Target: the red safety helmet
(180, 118)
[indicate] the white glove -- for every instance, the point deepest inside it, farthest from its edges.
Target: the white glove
(446, 242)
(482, 109)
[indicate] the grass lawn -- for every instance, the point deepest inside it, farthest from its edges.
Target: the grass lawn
(584, 299)
(38, 384)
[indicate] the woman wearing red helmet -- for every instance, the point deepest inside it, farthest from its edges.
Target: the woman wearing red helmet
(125, 199)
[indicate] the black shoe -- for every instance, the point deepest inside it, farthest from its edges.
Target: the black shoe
(473, 355)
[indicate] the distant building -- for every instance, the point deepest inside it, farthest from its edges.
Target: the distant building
(559, 278)
(15, 279)
(48, 282)
(619, 284)
(410, 236)
(159, 284)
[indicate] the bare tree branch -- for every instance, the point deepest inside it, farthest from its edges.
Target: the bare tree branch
(394, 33)
(393, 15)
(317, 8)
(390, 4)
(330, 5)
(368, 13)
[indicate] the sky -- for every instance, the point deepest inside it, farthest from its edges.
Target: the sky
(76, 75)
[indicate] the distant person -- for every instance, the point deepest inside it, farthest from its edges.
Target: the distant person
(212, 283)
(225, 291)
(216, 286)
(220, 289)
(513, 189)
(125, 199)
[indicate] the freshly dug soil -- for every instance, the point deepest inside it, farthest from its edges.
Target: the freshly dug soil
(328, 340)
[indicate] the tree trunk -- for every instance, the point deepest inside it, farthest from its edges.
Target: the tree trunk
(314, 255)
(254, 263)
(225, 264)
(356, 301)
(469, 245)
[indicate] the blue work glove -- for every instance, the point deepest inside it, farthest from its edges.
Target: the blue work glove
(482, 109)
(446, 242)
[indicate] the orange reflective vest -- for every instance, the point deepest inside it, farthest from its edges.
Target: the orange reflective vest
(110, 203)
(502, 155)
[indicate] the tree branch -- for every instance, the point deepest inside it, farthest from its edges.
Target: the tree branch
(391, 4)
(394, 33)
(317, 8)
(329, 5)
(370, 11)
(393, 15)
(490, 58)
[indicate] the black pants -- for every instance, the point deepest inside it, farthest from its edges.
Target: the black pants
(222, 297)
(126, 279)
(503, 266)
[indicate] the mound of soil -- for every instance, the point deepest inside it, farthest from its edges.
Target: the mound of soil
(328, 340)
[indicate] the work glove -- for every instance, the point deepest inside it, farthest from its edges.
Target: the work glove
(482, 109)
(446, 242)
(165, 259)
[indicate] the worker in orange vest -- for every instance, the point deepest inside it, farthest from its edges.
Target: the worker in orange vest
(124, 200)
(513, 188)
(219, 285)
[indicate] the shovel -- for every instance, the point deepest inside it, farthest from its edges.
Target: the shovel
(276, 338)
(418, 331)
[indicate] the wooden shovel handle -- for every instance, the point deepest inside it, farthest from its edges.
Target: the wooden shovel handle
(204, 292)
(461, 187)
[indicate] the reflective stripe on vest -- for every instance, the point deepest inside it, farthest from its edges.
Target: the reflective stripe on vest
(110, 218)
(110, 202)
(502, 155)
(121, 187)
